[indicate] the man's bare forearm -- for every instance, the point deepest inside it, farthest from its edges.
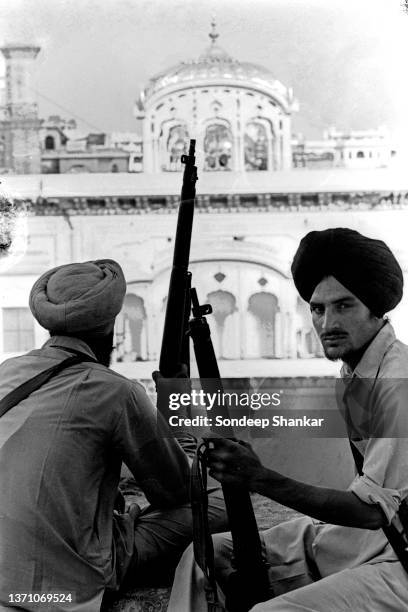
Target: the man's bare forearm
(329, 505)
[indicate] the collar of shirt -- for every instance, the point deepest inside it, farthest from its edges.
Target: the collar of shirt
(67, 342)
(370, 362)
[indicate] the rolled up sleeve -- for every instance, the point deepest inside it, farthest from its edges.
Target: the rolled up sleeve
(384, 478)
(371, 493)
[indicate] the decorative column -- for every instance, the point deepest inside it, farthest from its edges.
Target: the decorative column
(279, 334)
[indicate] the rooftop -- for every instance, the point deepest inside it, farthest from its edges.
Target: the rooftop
(129, 184)
(215, 65)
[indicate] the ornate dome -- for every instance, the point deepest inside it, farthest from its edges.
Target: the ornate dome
(215, 66)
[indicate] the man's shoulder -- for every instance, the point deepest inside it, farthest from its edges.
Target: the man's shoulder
(16, 370)
(30, 363)
(118, 380)
(395, 362)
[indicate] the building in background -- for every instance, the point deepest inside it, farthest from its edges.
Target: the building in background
(65, 149)
(260, 190)
(355, 149)
(239, 113)
(19, 122)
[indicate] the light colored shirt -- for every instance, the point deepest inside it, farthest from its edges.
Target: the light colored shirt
(383, 370)
(61, 451)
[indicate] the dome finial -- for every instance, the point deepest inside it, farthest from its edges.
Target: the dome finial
(213, 34)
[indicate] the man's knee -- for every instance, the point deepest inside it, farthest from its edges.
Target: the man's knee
(223, 551)
(258, 608)
(217, 515)
(276, 605)
(263, 607)
(222, 544)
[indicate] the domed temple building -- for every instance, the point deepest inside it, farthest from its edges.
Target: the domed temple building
(237, 111)
(74, 196)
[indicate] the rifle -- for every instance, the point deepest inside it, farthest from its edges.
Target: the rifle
(175, 343)
(249, 583)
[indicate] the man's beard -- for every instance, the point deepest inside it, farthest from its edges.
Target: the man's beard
(334, 353)
(346, 353)
(102, 346)
(331, 357)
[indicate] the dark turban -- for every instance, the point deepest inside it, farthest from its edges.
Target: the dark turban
(79, 297)
(366, 267)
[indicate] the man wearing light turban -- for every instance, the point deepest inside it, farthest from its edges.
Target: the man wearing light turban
(79, 298)
(61, 451)
(348, 551)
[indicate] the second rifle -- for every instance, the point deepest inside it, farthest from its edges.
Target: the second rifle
(250, 569)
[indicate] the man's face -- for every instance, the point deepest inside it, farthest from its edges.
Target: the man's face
(343, 323)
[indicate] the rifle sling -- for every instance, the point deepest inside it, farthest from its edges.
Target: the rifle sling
(250, 569)
(395, 538)
(24, 390)
(202, 541)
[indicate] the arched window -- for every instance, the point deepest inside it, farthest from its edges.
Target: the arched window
(256, 147)
(307, 342)
(177, 145)
(49, 143)
(360, 154)
(264, 306)
(218, 147)
(224, 305)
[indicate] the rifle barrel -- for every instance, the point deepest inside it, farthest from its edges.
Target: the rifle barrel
(177, 307)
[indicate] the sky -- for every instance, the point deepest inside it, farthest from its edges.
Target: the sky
(346, 61)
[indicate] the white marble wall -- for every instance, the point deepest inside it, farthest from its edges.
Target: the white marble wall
(245, 247)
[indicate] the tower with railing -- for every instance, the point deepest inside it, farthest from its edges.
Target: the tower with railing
(20, 124)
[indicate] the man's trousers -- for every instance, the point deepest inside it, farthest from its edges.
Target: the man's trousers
(295, 578)
(150, 545)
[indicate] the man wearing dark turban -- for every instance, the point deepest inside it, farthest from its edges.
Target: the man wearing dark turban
(351, 553)
(343, 262)
(63, 534)
(363, 265)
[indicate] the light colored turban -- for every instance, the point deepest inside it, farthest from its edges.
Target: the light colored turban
(79, 297)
